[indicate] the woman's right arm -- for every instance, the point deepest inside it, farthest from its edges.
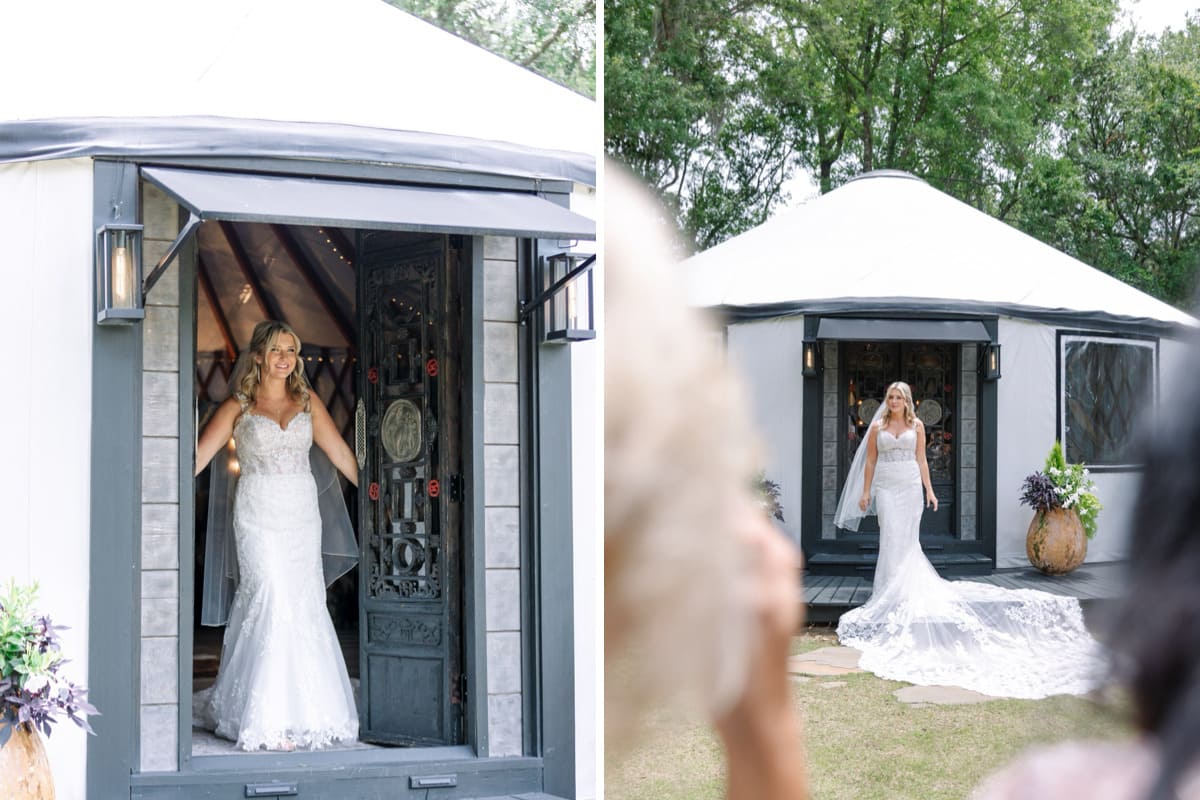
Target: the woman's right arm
(869, 468)
(216, 433)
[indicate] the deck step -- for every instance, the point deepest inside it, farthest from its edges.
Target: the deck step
(862, 564)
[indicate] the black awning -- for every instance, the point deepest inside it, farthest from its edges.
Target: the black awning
(902, 330)
(240, 197)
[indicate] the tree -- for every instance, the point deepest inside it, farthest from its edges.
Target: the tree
(555, 38)
(718, 102)
(685, 107)
(1125, 196)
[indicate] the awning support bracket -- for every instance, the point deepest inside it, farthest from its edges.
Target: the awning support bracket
(524, 309)
(172, 251)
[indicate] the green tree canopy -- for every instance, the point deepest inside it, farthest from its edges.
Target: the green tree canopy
(555, 38)
(1029, 111)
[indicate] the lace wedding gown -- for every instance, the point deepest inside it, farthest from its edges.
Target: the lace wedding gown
(922, 629)
(282, 682)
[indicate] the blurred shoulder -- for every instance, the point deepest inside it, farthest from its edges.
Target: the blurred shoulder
(1096, 770)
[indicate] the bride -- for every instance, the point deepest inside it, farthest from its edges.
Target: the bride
(282, 682)
(922, 629)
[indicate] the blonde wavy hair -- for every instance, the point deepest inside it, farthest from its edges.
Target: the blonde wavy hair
(910, 411)
(679, 456)
(248, 376)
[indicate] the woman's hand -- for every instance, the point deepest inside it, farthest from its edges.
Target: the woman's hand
(930, 499)
(864, 501)
(764, 746)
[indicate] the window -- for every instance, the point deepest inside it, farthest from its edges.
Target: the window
(1107, 386)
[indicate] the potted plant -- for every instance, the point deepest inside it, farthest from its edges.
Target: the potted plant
(1065, 506)
(33, 695)
(768, 496)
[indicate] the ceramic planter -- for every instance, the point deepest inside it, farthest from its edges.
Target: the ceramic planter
(24, 768)
(1056, 543)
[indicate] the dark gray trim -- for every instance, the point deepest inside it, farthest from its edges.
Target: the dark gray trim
(531, 641)
(322, 776)
(555, 566)
(114, 591)
(850, 329)
(917, 307)
(474, 621)
(810, 455)
(556, 570)
(186, 264)
(215, 137)
(987, 431)
(1058, 385)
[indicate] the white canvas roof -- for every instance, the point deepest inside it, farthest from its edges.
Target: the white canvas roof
(890, 239)
(351, 62)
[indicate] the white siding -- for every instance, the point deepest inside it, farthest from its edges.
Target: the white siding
(45, 480)
(768, 356)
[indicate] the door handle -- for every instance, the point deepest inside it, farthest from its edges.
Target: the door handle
(360, 434)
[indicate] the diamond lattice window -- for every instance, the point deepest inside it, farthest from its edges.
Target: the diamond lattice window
(1108, 387)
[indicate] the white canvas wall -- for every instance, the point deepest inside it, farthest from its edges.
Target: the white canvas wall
(358, 62)
(45, 478)
(1027, 423)
(768, 357)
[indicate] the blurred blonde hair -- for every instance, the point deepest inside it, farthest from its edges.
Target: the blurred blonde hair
(679, 457)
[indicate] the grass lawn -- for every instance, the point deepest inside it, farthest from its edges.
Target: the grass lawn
(863, 743)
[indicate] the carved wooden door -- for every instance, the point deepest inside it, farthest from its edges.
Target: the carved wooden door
(408, 445)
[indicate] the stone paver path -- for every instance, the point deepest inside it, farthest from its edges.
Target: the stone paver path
(825, 661)
(940, 696)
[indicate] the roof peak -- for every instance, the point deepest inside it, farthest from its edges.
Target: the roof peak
(886, 173)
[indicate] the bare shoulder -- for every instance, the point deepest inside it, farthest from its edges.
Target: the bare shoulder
(918, 426)
(229, 406)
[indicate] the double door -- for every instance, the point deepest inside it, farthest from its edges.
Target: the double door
(931, 369)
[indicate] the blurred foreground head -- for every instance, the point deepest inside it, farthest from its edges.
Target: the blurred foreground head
(678, 461)
(1156, 640)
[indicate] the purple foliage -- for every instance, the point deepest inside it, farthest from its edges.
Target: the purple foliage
(1038, 492)
(31, 690)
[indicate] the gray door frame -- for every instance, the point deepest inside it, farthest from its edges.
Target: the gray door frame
(115, 570)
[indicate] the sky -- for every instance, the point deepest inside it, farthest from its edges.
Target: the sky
(1150, 16)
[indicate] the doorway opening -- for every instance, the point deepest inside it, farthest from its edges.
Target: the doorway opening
(311, 277)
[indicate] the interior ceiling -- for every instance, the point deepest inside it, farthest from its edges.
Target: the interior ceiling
(248, 272)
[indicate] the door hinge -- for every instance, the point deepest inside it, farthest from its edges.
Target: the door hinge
(456, 488)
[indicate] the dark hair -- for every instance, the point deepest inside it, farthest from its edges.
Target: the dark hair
(1156, 636)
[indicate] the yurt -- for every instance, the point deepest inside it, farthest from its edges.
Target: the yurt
(1007, 343)
(420, 212)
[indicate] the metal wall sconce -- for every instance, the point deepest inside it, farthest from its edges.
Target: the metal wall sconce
(812, 359)
(990, 364)
(568, 313)
(119, 274)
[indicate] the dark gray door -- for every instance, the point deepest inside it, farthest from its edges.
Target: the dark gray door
(410, 582)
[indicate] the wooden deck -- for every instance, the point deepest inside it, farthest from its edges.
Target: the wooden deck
(829, 596)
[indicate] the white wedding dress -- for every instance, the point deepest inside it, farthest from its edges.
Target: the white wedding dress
(282, 682)
(920, 628)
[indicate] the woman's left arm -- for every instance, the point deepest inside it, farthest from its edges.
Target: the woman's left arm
(326, 436)
(930, 497)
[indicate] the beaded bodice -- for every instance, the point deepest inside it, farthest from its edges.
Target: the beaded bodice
(897, 448)
(264, 448)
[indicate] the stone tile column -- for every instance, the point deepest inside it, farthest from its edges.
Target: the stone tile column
(160, 495)
(502, 497)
